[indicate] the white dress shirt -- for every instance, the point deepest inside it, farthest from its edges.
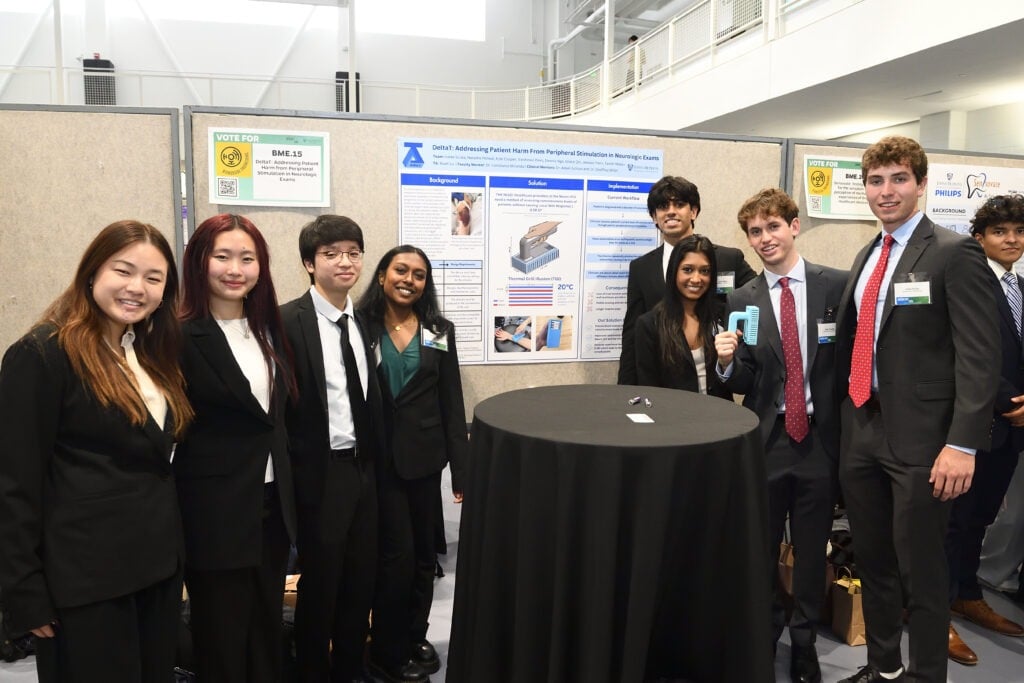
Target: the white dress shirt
(339, 412)
(798, 285)
(901, 235)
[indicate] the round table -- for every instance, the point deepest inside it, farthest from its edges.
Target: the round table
(595, 548)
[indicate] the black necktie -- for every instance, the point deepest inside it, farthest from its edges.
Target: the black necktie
(356, 400)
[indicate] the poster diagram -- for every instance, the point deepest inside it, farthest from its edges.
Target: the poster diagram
(530, 242)
(534, 250)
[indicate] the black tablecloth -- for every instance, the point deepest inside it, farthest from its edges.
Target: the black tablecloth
(596, 549)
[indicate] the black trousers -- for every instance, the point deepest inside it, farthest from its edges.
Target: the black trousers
(971, 515)
(236, 613)
(129, 639)
(405, 570)
(802, 485)
(899, 531)
(337, 547)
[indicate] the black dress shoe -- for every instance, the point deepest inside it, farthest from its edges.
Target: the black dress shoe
(409, 672)
(869, 674)
(361, 678)
(803, 668)
(424, 654)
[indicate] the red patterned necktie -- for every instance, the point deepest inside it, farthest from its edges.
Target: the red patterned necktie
(796, 405)
(864, 341)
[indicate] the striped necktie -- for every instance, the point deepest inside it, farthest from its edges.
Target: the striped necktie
(1013, 298)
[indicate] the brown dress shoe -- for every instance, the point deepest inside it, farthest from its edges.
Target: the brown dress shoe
(981, 614)
(958, 650)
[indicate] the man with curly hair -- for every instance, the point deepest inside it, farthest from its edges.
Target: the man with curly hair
(999, 228)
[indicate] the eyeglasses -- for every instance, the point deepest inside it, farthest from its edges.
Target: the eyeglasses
(354, 256)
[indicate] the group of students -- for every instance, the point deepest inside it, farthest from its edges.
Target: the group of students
(144, 442)
(899, 382)
(152, 434)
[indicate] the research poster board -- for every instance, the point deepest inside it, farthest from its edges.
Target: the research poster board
(366, 185)
(832, 241)
(530, 242)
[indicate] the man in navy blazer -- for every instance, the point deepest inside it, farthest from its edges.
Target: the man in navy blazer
(999, 228)
(674, 204)
(916, 346)
(801, 443)
(333, 442)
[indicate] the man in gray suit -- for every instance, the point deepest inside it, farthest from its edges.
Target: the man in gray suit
(788, 379)
(916, 358)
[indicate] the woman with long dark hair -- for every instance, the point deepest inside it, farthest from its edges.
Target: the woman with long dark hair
(91, 403)
(426, 429)
(675, 341)
(234, 476)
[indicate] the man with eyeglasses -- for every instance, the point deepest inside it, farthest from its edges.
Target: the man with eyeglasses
(334, 431)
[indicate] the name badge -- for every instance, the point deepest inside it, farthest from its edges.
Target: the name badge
(826, 332)
(726, 282)
(912, 289)
(434, 341)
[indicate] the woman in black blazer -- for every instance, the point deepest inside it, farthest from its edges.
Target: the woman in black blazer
(91, 401)
(675, 340)
(426, 428)
(234, 476)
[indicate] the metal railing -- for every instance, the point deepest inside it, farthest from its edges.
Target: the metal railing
(693, 34)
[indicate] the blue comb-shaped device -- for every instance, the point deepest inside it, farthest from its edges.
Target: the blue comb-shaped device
(749, 319)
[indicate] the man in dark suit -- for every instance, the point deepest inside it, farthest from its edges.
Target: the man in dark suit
(915, 348)
(794, 358)
(673, 203)
(999, 228)
(334, 431)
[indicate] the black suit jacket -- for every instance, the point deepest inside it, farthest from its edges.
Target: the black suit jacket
(307, 419)
(651, 372)
(88, 510)
(425, 424)
(759, 371)
(1011, 380)
(221, 463)
(646, 287)
(937, 374)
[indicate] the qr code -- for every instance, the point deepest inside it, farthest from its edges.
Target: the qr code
(227, 187)
(815, 202)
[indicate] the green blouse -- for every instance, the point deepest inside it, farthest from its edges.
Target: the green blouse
(399, 367)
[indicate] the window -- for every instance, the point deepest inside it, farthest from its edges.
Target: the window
(454, 19)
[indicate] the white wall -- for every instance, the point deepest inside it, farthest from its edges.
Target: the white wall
(997, 129)
(911, 129)
(253, 39)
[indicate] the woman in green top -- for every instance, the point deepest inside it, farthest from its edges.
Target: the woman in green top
(426, 429)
